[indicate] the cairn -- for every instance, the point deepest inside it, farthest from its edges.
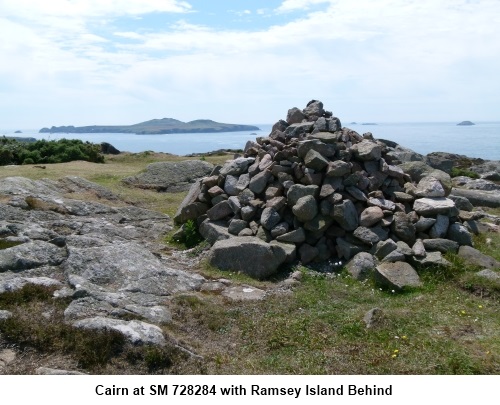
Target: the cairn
(315, 191)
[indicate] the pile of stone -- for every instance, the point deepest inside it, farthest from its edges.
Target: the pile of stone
(315, 191)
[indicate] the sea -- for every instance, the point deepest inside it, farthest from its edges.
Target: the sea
(478, 141)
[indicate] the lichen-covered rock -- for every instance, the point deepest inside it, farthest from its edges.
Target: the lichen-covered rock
(397, 275)
(249, 255)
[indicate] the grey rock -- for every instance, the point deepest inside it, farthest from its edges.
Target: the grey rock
(461, 203)
(237, 166)
(361, 266)
(171, 177)
(434, 206)
(346, 215)
(370, 216)
(259, 181)
(31, 255)
(212, 231)
(249, 255)
(4, 315)
(298, 190)
(315, 160)
(429, 186)
(137, 332)
(346, 249)
(306, 208)
(230, 185)
(373, 318)
(270, 218)
(236, 226)
(295, 236)
(459, 233)
(479, 198)
(366, 236)
(476, 258)
(419, 248)
(441, 245)
(394, 256)
(367, 150)
(397, 276)
(424, 223)
(431, 259)
(356, 193)
(289, 248)
(294, 116)
(307, 253)
(220, 211)
(403, 228)
(56, 371)
(244, 293)
(440, 228)
(382, 203)
(384, 248)
(489, 274)
(320, 223)
(338, 168)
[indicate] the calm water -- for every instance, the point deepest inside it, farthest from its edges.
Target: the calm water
(481, 140)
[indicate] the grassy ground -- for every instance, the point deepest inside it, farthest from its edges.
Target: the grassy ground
(449, 326)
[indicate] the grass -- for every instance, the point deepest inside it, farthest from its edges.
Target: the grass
(449, 326)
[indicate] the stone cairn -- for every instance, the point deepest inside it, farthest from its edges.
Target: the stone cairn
(315, 191)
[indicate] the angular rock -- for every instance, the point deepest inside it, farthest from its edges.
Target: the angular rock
(212, 231)
(370, 216)
(295, 236)
(361, 266)
(441, 245)
(459, 233)
(137, 332)
(403, 228)
(270, 218)
(429, 186)
(250, 255)
(397, 276)
(367, 150)
(298, 190)
(440, 228)
(220, 211)
(366, 236)
(476, 258)
(31, 255)
(346, 215)
(306, 208)
(384, 248)
(434, 206)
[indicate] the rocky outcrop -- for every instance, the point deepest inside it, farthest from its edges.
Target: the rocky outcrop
(466, 123)
(170, 177)
(329, 192)
(104, 259)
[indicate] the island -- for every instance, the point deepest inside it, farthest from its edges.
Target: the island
(369, 123)
(466, 123)
(155, 127)
(18, 132)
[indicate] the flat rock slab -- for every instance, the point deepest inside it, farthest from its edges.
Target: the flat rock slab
(475, 257)
(170, 177)
(397, 275)
(137, 332)
(244, 293)
(31, 255)
(56, 371)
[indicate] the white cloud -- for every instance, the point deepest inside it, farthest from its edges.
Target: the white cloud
(294, 5)
(374, 55)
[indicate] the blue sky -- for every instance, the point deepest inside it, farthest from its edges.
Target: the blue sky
(86, 62)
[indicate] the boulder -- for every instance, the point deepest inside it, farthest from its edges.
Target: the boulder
(250, 255)
(476, 258)
(170, 177)
(396, 276)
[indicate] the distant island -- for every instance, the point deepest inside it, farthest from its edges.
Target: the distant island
(18, 132)
(155, 127)
(369, 123)
(465, 123)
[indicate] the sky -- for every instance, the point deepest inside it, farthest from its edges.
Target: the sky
(117, 62)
